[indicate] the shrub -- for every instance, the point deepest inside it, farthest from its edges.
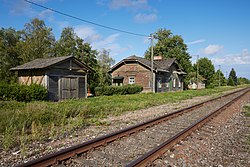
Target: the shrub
(22, 92)
(118, 90)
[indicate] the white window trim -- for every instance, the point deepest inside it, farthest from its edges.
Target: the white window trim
(174, 80)
(131, 80)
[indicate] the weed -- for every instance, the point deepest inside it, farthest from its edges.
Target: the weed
(34, 130)
(9, 136)
(23, 142)
(53, 131)
(246, 110)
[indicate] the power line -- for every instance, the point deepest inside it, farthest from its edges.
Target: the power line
(90, 22)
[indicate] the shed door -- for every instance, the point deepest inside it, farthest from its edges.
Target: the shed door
(69, 88)
(53, 88)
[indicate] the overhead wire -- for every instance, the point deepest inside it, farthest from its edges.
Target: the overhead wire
(86, 21)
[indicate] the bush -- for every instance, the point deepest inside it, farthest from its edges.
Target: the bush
(22, 92)
(118, 90)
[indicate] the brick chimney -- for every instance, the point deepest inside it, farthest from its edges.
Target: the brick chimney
(157, 57)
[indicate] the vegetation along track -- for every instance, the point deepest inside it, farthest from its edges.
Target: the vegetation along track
(122, 147)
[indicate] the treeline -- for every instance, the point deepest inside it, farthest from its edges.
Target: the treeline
(169, 45)
(208, 75)
(36, 40)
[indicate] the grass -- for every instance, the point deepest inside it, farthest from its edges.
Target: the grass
(247, 110)
(22, 123)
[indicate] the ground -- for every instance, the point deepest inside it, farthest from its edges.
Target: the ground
(233, 132)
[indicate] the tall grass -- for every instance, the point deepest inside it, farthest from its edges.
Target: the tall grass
(47, 120)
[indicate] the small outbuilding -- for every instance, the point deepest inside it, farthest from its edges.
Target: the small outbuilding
(64, 77)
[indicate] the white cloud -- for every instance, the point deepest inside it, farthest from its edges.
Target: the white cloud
(134, 4)
(87, 33)
(110, 43)
(145, 18)
(196, 42)
(46, 14)
(19, 7)
(90, 35)
(212, 49)
(240, 58)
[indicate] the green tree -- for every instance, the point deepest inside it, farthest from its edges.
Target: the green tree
(230, 82)
(67, 44)
(219, 79)
(70, 44)
(37, 41)
(243, 80)
(9, 54)
(206, 69)
(171, 46)
(104, 62)
(232, 75)
(194, 77)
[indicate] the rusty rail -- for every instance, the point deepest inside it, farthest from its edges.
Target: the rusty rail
(150, 156)
(64, 154)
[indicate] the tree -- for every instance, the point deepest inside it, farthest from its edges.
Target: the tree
(171, 46)
(230, 82)
(243, 80)
(232, 75)
(219, 79)
(105, 62)
(67, 44)
(194, 78)
(206, 69)
(70, 44)
(37, 41)
(9, 54)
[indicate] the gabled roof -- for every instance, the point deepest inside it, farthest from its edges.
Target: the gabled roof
(165, 63)
(48, 62)
(160, 65)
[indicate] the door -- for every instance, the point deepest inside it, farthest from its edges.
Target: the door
(53, 88)
(69, 88)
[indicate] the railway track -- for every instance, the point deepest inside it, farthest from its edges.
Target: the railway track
(123, 147)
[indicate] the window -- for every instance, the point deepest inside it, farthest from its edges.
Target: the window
(131, 80)
(179, 84)
(167, 84)
(174, 83)
(159, 83)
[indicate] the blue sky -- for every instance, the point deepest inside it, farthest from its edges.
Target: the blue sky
(216, 29)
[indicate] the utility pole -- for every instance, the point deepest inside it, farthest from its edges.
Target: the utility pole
(152, 63)
(219, 75)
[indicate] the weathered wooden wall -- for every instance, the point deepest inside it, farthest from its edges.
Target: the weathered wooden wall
(30, 77)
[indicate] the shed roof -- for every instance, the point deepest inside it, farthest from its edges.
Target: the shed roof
(47, 62)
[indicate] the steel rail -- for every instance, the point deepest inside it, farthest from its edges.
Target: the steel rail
(55, 158)
(155, 153)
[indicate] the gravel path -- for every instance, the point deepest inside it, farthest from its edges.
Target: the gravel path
(127, 149)
(222, 142)
(114, 123)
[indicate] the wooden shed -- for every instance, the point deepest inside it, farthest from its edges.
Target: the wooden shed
(64, 77)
